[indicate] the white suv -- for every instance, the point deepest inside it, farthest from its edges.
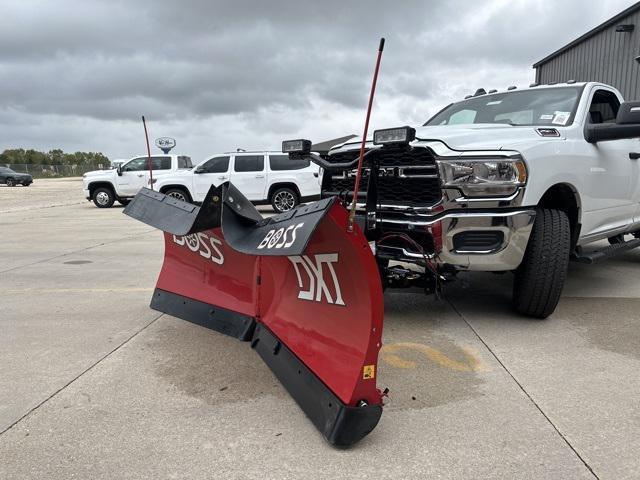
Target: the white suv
(263, 177)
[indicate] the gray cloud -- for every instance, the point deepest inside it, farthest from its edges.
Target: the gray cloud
(217, 74)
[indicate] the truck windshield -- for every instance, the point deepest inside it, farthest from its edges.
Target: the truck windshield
(536, 106)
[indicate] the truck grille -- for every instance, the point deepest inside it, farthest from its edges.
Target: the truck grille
(407, 177)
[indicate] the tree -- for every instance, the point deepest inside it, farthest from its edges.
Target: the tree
(52, 157)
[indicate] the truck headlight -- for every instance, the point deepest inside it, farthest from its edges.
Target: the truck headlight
(488, 177)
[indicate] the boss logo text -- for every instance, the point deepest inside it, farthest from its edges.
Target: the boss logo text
(278, 238)
(207, 246)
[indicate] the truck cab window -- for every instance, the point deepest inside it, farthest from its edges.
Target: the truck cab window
(136, 165)
(184, 162)
(161, 163)
(604, 107)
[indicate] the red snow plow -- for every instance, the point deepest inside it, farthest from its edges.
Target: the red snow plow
(303, 287)
(298, 286)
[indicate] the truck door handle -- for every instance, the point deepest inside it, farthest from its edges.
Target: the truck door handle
(222, 177)
(141, 175)
(634, 155)
(259, 176)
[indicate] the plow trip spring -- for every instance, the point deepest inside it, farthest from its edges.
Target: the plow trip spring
(299, 288)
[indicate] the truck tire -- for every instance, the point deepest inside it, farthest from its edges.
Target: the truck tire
(103, 197)
(540, 277)
(124, 201)
(10, 182)
(284, 199)
(178, 194)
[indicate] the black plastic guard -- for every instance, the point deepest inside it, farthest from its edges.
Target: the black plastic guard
(175, 216)
(340, 424)
(284, 234)
(244, 228)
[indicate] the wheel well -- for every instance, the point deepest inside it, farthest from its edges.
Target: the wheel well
(95, 185)
(182, 188)
(276, 186)
(564, 197)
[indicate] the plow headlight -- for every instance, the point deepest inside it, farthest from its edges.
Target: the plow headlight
(490, 177)
(296, 146)
(394, 135)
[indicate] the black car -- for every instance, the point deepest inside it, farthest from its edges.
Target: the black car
(11, 178)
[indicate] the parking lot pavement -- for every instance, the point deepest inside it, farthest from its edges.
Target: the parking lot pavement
(94, 384)
(41, 193)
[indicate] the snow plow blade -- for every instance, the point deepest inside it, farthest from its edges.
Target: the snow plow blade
(301, 289)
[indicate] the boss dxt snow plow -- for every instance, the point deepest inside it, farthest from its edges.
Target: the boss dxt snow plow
(298, 286)
(302, 287)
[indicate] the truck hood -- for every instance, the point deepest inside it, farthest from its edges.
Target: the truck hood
(479, 136)
(483, 136)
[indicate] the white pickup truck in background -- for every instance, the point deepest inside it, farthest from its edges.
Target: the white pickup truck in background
(263, 177)
(104, 187)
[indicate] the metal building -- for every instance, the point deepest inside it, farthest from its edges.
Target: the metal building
(610, 53)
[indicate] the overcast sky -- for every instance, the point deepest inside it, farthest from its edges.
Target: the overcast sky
(217, 75)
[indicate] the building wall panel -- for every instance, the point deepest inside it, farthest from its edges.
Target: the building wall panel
(608, 57)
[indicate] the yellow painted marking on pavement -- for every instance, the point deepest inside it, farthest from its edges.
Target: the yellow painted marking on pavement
(77, 290)
(391, 354)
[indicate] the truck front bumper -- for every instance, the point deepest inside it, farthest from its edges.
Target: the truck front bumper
(469, 240)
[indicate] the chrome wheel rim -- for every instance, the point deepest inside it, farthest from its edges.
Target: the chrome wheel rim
(9, 182)
(284, 201)
(178, 196)
(102, 198)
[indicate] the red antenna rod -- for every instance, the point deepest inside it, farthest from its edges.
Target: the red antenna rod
(356, 187)
(149, 164)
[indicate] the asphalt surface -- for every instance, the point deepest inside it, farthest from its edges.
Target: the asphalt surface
(94, 384)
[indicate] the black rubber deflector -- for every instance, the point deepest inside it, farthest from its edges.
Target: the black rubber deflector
(215, 318)
(340, 424)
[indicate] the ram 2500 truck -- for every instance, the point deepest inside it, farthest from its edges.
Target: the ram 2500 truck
(513, 181)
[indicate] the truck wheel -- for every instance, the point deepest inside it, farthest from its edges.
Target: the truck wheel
(11, 182)
(178, 194)
(284, 199)
(103, 197)
(540, 277)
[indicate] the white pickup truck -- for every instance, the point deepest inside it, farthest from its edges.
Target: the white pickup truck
(263, 177)
(104, 187)
(518, 180)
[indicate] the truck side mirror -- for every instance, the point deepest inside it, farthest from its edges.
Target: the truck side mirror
(627, 125)
(119, 170)
(198, 170)
(629, 113)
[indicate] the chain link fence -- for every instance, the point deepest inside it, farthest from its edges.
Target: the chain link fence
(54, 171)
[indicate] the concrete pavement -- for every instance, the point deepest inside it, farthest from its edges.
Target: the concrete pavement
(94, 384)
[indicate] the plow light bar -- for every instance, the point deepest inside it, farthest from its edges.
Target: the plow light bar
(394, 135)
(296, 146)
